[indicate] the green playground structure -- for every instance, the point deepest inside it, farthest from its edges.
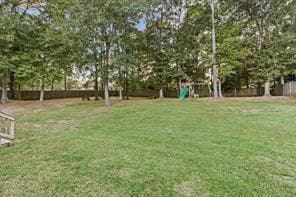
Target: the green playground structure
(183, 94)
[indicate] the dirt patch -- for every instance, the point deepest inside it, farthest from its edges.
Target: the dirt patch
(273, 98)
(288, 180)
(184, 189)
(125, 173)
(20, 107)
(25, 107)
(188, 188)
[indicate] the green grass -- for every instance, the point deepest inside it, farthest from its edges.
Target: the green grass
(155, 148)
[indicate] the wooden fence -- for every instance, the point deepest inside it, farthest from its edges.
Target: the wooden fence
(57, 94)
(244, 92)
(171, 93)
(288, 89)
(60, 94)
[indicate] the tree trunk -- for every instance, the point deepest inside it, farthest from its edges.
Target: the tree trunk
(12, 84)
(52, 84)
(106, 77)
(120, 85)
(161, 96)
(4, 97)
(120, 93)
(214, 71)
(96, 87)
(65, 82)
(42, 89)
(282, 79)
(96, 91)
(126, 87)
(107, 98)
(220, 88)
(210, 90)
(247, 81)
(215, 82)
(103, 90)
(267, 89)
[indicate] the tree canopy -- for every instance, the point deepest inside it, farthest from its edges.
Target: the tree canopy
(139, 44)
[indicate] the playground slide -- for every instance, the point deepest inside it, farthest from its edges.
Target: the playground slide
(183, 94)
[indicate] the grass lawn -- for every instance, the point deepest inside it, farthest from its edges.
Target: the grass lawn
(154, 148)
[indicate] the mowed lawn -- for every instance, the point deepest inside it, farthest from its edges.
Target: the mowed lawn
(154, 148)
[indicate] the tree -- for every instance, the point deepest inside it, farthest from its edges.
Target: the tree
(262, 27)
(250, 43)
(9, 21)
(214, 46)
(159, 42)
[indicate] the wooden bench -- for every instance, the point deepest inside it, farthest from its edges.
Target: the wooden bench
(7, 129)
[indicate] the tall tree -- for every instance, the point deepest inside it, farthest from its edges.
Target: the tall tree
(214, 51)
(262, 27)
(159, 42)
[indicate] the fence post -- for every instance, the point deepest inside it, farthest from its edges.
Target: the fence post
(290, 88)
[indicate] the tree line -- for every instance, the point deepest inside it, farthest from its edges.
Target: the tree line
(146, 44)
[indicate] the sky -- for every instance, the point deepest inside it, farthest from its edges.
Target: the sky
(140, 26)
